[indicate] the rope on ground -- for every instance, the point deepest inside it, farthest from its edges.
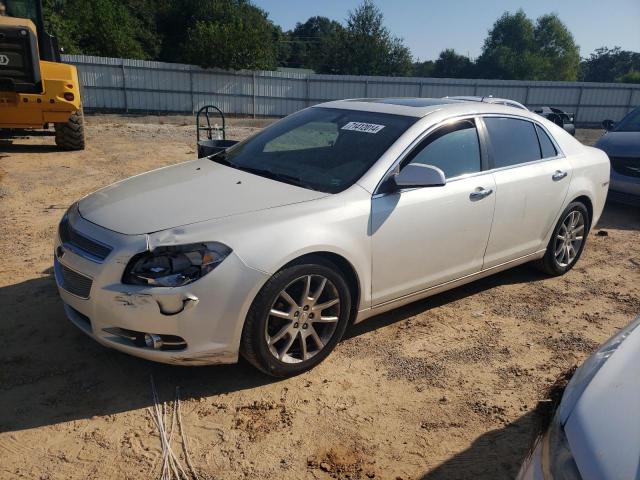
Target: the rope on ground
(171, 468)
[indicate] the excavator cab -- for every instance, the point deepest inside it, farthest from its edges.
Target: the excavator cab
(36, 89)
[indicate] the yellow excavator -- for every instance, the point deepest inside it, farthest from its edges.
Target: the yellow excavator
(36, 89)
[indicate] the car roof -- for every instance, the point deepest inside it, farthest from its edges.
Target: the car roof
(420, 107)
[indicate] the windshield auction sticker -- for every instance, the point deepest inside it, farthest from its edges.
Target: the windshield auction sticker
(363, 127)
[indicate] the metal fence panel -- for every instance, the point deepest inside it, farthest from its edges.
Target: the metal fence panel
(126, 85)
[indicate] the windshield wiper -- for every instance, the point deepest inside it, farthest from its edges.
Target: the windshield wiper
(283, 177)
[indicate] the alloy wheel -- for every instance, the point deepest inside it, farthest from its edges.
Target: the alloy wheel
(569, 238)
(302, 319)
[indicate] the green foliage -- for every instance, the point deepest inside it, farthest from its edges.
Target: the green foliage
(366, 47)
(610, 65)
(452, 65)
(102, 27)
(308, 43)
(632, 76)
(516, 49)
(230, 34)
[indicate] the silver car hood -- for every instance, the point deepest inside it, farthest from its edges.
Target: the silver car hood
(186, 193)
(603, 429)
(620, 144)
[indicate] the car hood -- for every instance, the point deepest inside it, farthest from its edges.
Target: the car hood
(186, 193)
(603, 429)
(620, 144)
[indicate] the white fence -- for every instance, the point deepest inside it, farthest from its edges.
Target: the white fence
(136, 86)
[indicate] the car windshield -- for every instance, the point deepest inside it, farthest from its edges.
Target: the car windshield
(630, 123)
(318, 148)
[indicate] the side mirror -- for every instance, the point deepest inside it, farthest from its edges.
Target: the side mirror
(416, 175)
(608, 125)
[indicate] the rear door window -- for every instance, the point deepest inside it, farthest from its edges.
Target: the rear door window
(513, 141)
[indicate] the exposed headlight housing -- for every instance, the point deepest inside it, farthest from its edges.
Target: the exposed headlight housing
(175, 266)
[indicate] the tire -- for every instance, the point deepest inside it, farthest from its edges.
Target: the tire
(300, 325)
(70, 135)
(554, 263)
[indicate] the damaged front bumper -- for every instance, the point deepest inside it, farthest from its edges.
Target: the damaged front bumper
(197, 324)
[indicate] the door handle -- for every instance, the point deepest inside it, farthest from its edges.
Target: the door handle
(559, 175)
(479, 193)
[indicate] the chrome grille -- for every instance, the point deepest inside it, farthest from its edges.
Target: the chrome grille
(69, 236)
(628, 166)
(74, 282)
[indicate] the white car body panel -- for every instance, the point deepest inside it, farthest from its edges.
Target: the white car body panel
(603, 429)
(401, 247)
(415, 249)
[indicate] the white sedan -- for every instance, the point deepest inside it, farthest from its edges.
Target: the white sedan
(332, 215)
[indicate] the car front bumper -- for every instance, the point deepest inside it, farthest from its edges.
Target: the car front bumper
(200, 323)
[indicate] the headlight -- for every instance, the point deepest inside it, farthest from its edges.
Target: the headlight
(557, 455)
(585, 373)
(175, 266)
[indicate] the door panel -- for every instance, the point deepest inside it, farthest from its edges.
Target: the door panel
(528, 201)
(427, 236)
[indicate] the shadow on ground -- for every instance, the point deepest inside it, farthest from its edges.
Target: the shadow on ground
(52, 373)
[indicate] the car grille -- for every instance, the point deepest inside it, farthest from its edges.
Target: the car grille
(69, 236)
(628, 166)
(74, 282)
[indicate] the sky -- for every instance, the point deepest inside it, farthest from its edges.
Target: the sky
(429, 26)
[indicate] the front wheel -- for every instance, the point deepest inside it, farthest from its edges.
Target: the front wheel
(297, 319)
(568, 240)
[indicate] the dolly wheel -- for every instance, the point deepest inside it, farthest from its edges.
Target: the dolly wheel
(70, 135)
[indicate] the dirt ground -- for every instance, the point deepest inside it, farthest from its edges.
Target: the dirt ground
(445, 388)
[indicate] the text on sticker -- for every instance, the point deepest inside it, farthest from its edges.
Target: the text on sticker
(363, 127)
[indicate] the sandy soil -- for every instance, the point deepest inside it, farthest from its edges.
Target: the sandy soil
(441, 389)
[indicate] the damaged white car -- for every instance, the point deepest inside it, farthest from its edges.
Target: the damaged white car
(329, 216)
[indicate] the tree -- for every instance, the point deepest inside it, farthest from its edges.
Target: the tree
(103, 27)
(228, 34)
(558, 52)
(308, 43)
(632, 76)
(423, 69)
(366, 47)
(609, 65)
(517, 49)
(451, 64)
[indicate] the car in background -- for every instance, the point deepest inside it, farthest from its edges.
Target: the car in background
(339, 212)
(557, 116)
(622, 143)
(595, 433)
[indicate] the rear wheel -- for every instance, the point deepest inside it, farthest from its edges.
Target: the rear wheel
(297, 319)
(568, 240)
(70, 135)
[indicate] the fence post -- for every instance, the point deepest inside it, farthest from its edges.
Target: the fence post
(254, 94)
(124, 87)
(420, 91)
(575, 117)
(193, 105)
(308, 92)
(630, 99)
(366, 88)
(526, 95)
(475, 89)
